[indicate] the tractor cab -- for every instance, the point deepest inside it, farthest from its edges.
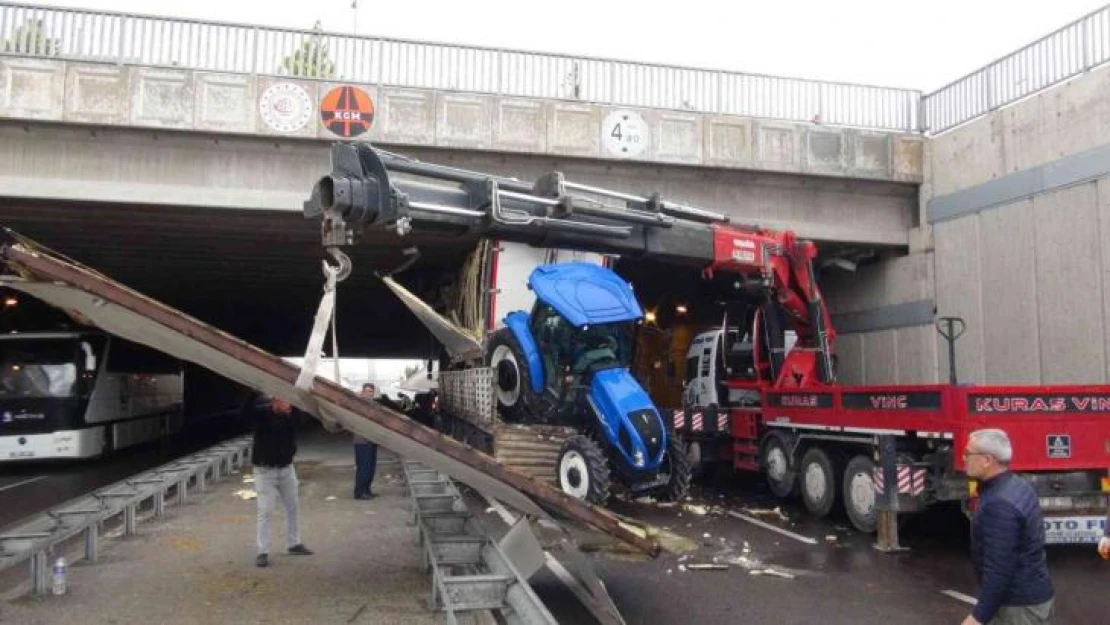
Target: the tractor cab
(571, 355)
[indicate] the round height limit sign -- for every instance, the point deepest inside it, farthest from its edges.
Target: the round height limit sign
(625, 133)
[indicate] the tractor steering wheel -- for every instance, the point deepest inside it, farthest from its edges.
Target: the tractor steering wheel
(603, 342)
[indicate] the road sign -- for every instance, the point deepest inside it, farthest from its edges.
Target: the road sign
(347, 111)
(625, 133)
(285, 107)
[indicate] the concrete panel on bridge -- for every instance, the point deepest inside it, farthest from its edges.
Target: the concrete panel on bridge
(209, 102)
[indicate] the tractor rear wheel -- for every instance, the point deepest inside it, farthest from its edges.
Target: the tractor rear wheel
(516, 401)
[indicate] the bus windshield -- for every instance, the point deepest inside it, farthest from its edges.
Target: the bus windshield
(38, 367)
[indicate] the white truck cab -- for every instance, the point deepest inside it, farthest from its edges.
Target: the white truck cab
(709, 364)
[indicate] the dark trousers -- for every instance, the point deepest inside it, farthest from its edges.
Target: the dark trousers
(366, 462)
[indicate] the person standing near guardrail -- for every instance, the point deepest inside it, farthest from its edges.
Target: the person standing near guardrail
(1007, 538)
(275, 477)
(366, 455)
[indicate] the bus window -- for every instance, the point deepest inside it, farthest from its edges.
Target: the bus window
(127, 357)
(37, 368)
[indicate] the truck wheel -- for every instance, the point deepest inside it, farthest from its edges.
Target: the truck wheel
(781, 476)
(859, 493)
(512, 380)
(818, 481)
(584, 470)
(678, 465)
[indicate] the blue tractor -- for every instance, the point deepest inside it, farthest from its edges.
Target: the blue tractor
(567, 363)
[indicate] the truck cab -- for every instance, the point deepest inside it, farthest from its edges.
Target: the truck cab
(720, 364)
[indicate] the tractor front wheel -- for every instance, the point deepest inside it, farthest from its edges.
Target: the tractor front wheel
(584, 470)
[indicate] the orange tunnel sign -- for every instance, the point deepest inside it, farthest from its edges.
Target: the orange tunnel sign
(347, 111)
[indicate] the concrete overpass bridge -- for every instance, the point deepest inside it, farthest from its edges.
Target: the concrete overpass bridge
(175, 154)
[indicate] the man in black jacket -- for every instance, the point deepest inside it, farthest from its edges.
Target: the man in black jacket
(1007, 538)
(274, 475)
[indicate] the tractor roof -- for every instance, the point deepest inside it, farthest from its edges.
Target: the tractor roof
(585, 293)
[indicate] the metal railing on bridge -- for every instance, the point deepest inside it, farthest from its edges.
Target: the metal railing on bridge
(1052, 59)
(102, 36)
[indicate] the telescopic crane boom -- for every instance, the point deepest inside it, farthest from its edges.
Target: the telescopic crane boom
(372, 188)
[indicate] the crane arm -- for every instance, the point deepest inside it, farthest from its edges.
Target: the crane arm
(370, 188)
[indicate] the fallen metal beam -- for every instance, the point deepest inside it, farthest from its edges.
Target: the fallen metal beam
(97, 300)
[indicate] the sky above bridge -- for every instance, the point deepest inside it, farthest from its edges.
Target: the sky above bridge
(884, 42)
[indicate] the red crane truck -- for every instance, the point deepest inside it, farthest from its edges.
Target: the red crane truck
(763, 407)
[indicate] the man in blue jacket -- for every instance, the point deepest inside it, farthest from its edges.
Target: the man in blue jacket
(1007, 538)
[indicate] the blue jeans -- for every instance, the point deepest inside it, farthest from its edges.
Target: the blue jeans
(366, 462)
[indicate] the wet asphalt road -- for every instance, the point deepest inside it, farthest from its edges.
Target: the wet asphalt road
(843, 581)
(29, 488)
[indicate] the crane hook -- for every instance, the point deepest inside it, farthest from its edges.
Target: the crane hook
(342, 262)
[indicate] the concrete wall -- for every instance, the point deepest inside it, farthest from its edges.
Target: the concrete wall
(1019, 206)
(883, 314)
(167, 98)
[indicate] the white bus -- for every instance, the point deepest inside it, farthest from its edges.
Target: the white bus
(81, 394)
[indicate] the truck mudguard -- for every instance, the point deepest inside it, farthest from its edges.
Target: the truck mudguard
(517, 322)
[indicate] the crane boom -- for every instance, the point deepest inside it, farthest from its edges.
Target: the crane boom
(372, 188)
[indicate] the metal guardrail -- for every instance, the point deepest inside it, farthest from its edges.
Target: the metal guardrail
(34, 30)
(1067, 52)
(470, 573)
(36, 538)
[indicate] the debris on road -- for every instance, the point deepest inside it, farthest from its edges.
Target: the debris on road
(669, 541)
(696, 509)
(707, 567)
(773, 573)
(245, 494)
(775, 512)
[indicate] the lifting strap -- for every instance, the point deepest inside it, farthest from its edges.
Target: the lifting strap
(325, 318)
